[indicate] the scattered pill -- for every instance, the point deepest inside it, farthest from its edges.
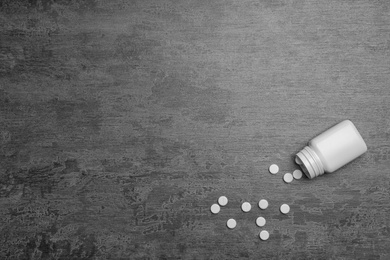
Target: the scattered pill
(222, 201)
(288, 178)
(215, 208)
(273, 169)
(285, 208)
(246, 206)
(264, 235)
(260, 221)
(231, 223)
(297, 160)
(297, 174)
(263, 204)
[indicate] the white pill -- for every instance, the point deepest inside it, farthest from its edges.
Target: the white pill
(297, 160)
(297, 174)
(246, 206)
(288, 178)
(273, 169)
(263, 204)
(285, 208)
(222, 201)
(264, 235)
(215, 208)
(231, 223)
(260, 221)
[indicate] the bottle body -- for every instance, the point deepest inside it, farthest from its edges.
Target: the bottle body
(331, 150)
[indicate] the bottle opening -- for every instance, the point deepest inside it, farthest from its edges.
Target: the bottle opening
(303, 167)
(309, 162)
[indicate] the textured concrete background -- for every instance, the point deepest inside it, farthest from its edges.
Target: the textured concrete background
(123, 121)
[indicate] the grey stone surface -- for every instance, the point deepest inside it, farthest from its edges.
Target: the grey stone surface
(122, 122)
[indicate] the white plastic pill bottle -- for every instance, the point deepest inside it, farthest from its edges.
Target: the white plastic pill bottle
(331, 150)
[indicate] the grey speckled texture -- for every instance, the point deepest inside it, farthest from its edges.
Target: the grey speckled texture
(122, 122)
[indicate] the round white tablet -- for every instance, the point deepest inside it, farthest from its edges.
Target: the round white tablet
(222, 201)
(246, 206)
(231, 223)
(215, 208)
(297, 160)
(273, 169)
(288, 178)
(297, 174)
(264, 235)
(285, 208)
(263, 204)
(260, 221)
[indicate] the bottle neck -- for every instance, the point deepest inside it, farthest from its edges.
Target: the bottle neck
(310, 163)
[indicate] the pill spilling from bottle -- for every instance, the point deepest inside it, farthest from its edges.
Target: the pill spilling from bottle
(331, 150)
(327, 152)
